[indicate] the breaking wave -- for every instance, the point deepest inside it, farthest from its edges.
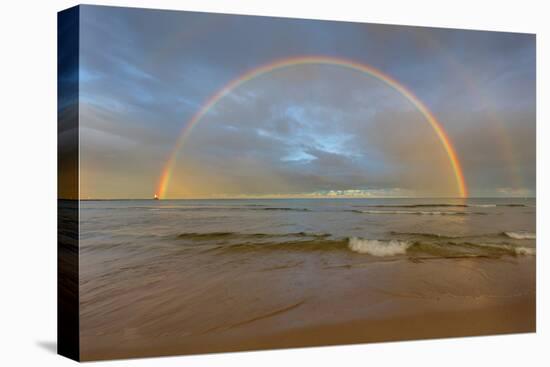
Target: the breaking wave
(518, 250)
(409, 244)
(378, 247)
(413, 212)
(440, 249)
(516, 235)
(521, 235)
(525, 251)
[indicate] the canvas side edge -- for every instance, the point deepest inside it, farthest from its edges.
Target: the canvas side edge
(68, 322)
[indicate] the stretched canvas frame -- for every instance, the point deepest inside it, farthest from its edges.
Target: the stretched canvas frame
(452, 255)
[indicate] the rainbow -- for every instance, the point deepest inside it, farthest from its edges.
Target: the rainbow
(319, 60)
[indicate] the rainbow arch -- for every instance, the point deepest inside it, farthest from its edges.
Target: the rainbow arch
(319, 60)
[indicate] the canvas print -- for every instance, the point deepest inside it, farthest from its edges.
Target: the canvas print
(232, 183)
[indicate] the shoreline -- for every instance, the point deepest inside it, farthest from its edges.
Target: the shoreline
(425, 326)
(318, 304)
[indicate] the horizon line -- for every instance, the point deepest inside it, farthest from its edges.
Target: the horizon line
(306, 197)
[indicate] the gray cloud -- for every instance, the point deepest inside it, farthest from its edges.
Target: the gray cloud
(305, 129)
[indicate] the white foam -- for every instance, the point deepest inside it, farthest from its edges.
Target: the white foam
(415, 212)
(518, 250)
(525, 250)
(521, 235)
(378, 247)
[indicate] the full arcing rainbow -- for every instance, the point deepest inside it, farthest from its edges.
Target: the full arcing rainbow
(166, 175)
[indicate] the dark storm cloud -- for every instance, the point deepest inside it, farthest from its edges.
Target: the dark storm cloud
(144, 73)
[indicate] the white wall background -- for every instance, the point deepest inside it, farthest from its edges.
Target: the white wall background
(28, 182)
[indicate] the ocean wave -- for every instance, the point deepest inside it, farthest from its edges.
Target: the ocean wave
(237, 208)
(378, 247)
(426, 235)
(196, 207)
(517, 235)
(421, 245)
(525, 250)
(440, 249)
(413, 212)
(247, 236)
(521, 235)
(440, 205)
(413, 206)
(518, 250)
(286, 209)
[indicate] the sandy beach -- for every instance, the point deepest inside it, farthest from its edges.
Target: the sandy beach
(192, 300)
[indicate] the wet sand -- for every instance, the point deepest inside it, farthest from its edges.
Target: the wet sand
(189, 302)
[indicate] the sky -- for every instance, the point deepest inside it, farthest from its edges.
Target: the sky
(304, 130)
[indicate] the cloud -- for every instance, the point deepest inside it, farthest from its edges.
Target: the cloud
(306, 129)
(291, 139)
